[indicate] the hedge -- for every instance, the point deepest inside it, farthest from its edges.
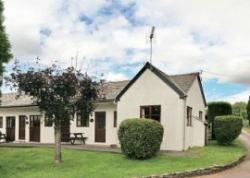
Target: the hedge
(140, 138)
(248, 110)
(227, 128)
(217, 109)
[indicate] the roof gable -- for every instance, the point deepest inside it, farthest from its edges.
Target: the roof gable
(164, 77)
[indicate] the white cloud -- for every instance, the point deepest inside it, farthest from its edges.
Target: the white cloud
(115, 77)
(220, 38)
(243, 96)
(190, 35)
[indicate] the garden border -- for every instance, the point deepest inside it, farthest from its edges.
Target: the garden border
(200, 171)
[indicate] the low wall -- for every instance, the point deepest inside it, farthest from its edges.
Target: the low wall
(201, 171)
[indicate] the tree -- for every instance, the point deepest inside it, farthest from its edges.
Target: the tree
(58, 93)
(217, 109)
(239, 109)
(5, 54)
(248, 110)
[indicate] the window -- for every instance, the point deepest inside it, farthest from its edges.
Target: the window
(10, 122)
(48, 122)
(151, 112)
(200, 115)
(1, 122)
(189, 116)
(115, 118)
(82, 122)
(35, 120)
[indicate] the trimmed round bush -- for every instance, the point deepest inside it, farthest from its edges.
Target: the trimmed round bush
(227, 128)
(140, 138)
(219, 108)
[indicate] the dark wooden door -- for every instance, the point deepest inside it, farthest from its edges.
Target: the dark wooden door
(65, 131)
(35, 128)
(100, 127)
(10, 128)
(22, 127)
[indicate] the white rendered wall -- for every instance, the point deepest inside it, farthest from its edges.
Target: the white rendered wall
(195, 135)
(111, 132)
(149, 89)
(46, 133)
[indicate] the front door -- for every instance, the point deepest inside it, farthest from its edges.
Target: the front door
(35, 128)
(10, 128)
(22, 127)
(100, 127)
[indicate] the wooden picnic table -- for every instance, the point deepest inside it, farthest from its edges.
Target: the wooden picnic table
(77, 136)
(3, 137)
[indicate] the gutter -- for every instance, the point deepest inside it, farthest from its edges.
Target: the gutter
(35, 105)
(18, 106)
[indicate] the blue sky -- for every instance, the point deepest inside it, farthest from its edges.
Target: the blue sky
(110, 37)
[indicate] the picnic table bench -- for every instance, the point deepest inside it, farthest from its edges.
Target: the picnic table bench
(77, 136)
(3, 136)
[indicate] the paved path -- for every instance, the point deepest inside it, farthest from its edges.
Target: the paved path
(240, 171)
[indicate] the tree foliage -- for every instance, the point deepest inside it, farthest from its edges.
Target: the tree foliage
(5, 48)
(217, 109)
(58, 93)
(239, 109)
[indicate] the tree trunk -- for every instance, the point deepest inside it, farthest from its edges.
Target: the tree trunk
(58, 154)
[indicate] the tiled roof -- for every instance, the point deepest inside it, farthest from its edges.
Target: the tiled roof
(109, 90)
(185, 81)
(11, 99)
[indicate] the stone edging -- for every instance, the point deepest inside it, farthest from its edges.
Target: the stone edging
(201, 171)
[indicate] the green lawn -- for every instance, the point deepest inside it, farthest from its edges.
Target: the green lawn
(247, 128)
(37, 162)
(246, 125)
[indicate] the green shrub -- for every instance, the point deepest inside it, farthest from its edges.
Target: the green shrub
(217, 109)
(248, 110)
(140, 138)
(227, 128)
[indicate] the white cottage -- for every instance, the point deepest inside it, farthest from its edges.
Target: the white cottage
(176, 101)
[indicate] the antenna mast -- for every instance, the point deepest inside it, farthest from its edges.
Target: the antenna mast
(151, 42)
(76, 59)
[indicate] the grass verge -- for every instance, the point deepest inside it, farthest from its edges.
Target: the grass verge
(247, 128)
(37, 162)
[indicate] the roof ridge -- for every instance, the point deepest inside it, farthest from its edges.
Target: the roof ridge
(191, 73)
(117, 81)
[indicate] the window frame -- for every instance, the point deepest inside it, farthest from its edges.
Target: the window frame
(150, 112)
(48, 122)
(34, 117)
(115, 119)
(189, 116)
(84, 122)
(201, 115)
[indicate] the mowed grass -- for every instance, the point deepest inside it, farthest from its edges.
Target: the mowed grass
(38, 162)
(247, 128)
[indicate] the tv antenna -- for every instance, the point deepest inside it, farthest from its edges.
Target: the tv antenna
(151, 42)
